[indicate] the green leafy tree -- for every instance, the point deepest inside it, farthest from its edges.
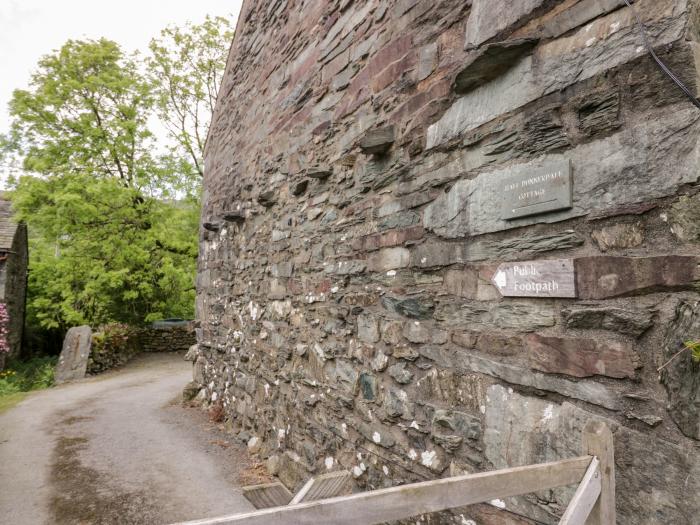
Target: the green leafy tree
(108, 242)
(186, 66)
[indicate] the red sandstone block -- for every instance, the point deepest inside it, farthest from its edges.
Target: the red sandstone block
(581, 357)
(391, 52)
(394, 72)
(604, 277)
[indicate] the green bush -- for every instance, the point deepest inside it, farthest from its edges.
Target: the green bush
(24, 376)
(113, 345)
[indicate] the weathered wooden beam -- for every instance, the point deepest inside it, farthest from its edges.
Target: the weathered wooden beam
(418, 498)
(323, 487)
(585, 497)
(267, 495)
(598, 442)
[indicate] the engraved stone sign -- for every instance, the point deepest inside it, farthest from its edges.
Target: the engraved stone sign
(536, 191)
(554, 278)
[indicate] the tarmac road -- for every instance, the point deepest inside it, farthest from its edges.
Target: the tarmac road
(116, 449)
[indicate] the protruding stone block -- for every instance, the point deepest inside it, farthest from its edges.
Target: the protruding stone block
(377, 141)
(491, 62)
(488, 18)
(319, 172)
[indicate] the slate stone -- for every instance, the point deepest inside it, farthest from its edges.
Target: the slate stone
(553, 66)
(585, 390)
(367, 328)
(319, 172)
(299, 187)
(522, 316)
(377, 141)
(574, 16)
(411, 307)
(491, 61)
(268, 198)
(581, 357)
(234, 216)
(681, 377)
(627, 322)
(405, 352)
(455, 422)
(72, 363)
(523, 430)
(432, 253)
(599, 113)
(684, 217)
(396, 404)
(389, 259)
(606, 277)
(211, 226)
(400, 374)
(417, 332)
(618, 236)
(489, 343)
(473, 206)
(483, 25)
(368, 386)
(292, 470)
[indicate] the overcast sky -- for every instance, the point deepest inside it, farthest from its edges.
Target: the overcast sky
(32, 28)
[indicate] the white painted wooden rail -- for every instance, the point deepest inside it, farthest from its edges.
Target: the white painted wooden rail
(592, 504)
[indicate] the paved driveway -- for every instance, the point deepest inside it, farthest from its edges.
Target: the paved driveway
(116, 449)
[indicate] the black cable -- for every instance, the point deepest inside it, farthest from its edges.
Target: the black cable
(658, 61)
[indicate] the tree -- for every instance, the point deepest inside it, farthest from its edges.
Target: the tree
(186, 66)
(108, 242)
(86, 112)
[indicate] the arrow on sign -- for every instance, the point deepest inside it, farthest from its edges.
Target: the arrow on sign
(500, 279)
(553, 278)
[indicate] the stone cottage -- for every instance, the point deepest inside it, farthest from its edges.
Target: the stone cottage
(14, 258)
(439, 236)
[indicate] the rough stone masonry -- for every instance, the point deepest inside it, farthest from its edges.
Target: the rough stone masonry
(369, 168)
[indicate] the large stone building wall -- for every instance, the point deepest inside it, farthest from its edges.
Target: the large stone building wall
(358, 201)
(14, 260)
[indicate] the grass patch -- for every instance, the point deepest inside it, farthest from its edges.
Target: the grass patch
(10, 400)
(20, 377)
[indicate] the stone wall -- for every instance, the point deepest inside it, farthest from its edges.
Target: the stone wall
(13, 283)
(166, 337)
(363, 187)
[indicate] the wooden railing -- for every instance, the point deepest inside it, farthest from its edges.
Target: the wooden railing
(592, 504)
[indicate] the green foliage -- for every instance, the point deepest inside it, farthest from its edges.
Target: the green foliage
(185, 67)
(114, 345)
(102, 252)
(113, 226)
(25, 376)
(694, 347)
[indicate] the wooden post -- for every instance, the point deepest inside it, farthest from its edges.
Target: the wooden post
(598, 441)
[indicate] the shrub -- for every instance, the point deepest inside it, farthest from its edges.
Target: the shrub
(24, 376)
(112, 346)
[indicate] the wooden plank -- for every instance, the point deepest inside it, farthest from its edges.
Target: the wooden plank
(598, 441)
(405, 501)
(551, 278)
(585, 497)
(323, 486)
(267, 495)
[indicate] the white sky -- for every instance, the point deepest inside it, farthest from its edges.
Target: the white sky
(32, 28)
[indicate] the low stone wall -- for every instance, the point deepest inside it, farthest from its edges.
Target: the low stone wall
(166, 337)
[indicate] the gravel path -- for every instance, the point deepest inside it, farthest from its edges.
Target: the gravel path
(117, 449)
